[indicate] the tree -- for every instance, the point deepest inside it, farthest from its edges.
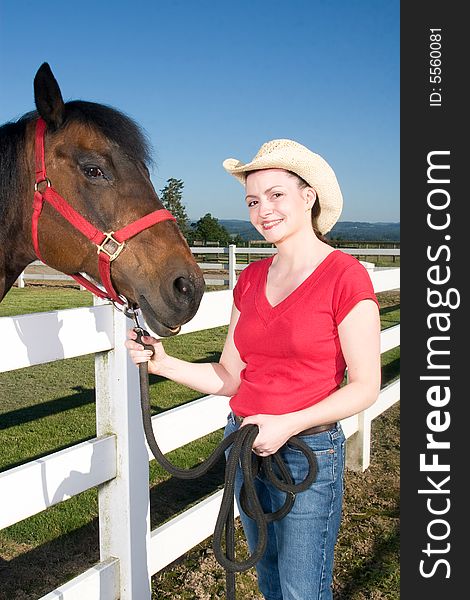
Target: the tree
(171, 196)
(238, 240)
(208, 229)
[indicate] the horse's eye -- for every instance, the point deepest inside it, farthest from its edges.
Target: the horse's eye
(93, 172)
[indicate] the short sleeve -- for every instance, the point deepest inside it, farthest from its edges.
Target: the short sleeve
(241, 288)
(353, 286)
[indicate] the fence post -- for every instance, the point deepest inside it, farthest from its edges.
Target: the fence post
(232, 262)
(124, 515)
(358, 445)
(20, 280)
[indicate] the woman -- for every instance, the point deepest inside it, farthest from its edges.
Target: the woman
(298, 320)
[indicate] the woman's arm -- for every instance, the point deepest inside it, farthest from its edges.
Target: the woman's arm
(210, 378)
(359, 335)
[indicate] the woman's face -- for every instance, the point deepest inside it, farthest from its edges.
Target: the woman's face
(278, 208)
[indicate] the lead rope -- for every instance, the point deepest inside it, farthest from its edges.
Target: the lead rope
(241, 443)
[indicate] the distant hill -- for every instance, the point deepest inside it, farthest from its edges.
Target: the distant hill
(359, 230)
(346, 230)
(243, 228)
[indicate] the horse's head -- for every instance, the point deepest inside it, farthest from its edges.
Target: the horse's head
(96, 159)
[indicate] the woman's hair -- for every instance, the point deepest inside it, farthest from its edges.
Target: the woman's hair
(316, 208)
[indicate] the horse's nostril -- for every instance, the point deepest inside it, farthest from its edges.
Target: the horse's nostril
(183, 285)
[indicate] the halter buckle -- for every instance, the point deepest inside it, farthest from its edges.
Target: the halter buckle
(116, 247)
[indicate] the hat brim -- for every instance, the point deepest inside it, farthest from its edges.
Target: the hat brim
(312, 168)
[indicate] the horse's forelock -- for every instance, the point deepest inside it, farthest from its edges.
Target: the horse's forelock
(114, 125)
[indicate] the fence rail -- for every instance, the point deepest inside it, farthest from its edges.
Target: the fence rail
(117, 459)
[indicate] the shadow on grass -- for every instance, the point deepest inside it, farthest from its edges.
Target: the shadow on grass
(390, 371)
(42, 569)
(388, 309)
(44, 409)
(175, 495)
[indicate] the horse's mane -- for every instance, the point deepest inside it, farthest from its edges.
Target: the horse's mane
(11, 142)
(113, 124)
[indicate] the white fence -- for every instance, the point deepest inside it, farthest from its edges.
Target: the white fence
(117, 459)
(38, 271)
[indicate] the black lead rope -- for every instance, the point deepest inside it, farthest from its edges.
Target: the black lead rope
(241, 442)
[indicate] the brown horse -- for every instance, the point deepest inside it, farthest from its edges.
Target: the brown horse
(96, 159)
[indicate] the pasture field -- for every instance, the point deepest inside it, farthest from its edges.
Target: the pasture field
(49, 407)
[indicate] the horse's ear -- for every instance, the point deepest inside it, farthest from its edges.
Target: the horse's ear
(48, 97)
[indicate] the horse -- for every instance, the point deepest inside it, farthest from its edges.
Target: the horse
(95, 215)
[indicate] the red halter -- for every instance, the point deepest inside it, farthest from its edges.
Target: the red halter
(109, 244)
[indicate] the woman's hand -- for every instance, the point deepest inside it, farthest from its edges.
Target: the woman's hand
(139, 354)
(274, 431)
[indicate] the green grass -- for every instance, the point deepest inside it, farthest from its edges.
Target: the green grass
(41, 298)
(49, 407)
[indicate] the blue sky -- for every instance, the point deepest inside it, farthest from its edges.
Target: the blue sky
(209, 80)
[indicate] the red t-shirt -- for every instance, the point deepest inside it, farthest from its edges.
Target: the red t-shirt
(292, 350)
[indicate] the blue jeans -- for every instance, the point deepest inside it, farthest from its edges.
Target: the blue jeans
(298, 562)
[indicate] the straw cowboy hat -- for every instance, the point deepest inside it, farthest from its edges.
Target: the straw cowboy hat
(292, 156)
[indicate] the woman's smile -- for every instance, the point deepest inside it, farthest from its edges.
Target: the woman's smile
(271, 224)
